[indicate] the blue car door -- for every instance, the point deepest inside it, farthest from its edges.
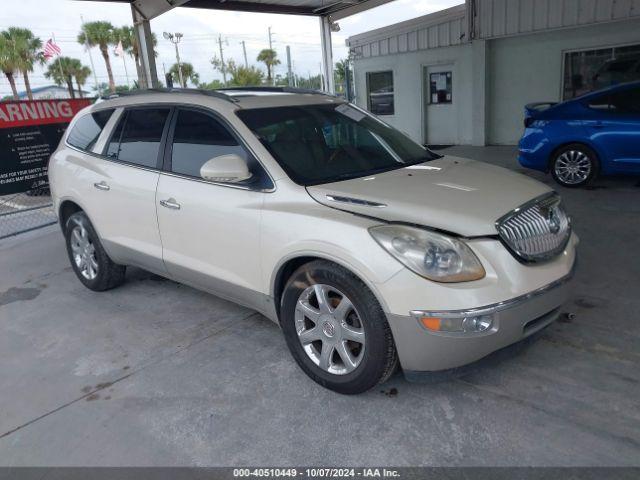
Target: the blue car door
(614, 127)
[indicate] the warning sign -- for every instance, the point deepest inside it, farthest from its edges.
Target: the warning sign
(29, 133)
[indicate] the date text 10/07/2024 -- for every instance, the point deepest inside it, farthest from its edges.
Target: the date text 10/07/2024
(316, 472)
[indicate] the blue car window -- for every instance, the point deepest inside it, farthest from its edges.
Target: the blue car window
(623, 102)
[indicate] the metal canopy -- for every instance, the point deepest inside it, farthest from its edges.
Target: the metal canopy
(336, 9)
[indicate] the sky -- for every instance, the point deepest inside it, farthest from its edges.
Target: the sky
(201, 29)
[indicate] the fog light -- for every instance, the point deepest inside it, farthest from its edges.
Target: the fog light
(477, 324)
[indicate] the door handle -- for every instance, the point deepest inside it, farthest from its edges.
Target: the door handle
(170, 203)
(102, 186)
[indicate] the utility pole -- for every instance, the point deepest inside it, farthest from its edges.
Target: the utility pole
(289, 70)
(223, 66)
(244, 50)
(273, 67)
(175, 39)
(86, 46)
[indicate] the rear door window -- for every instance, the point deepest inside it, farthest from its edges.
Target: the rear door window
(87, 129)
(622, 102)
(138, 135)
(627, 101)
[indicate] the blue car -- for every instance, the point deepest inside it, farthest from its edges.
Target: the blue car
(597, 133)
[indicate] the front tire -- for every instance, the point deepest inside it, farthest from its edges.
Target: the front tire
(574, 165)
(336, 330)
(89, 260)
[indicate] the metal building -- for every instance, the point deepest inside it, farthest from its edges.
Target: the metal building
(463, 75)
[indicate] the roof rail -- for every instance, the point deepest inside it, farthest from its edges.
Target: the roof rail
(210, 93)
(275, 89)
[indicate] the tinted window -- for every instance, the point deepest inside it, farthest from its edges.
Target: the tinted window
(113, 146)
(318, 144)
(88, 128)
(627, 101)
(137, 138)
(601, 103)
(380, 93)
(198, 137)
(623, 102)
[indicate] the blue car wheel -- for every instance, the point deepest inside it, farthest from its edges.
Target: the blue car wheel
(574, 165)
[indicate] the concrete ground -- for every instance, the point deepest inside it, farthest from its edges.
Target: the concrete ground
(155, 373)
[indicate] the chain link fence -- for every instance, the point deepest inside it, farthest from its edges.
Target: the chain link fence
(23, 212)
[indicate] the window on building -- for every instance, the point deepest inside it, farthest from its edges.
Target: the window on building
(590, 70)
(441, 87)
(197, 139)
(88, 128)
(137, 138)
(380, 93)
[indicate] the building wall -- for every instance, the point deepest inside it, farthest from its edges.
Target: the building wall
(528, 68)
(497, 18)
(436, 30)
(409, 92)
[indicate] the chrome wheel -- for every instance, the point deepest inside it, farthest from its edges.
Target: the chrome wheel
(573, 167)
(329, 329)
(84, 252)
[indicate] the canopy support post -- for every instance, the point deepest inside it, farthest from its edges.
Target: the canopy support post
(148, 76)
(327, 55)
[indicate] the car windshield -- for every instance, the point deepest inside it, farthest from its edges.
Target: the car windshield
(318, 144)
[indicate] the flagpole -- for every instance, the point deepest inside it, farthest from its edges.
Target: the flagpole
(53, 36)
(124, 62)
(93, 68)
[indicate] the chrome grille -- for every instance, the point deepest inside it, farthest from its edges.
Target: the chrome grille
(539, 230)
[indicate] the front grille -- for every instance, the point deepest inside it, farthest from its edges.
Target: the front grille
(537, 231)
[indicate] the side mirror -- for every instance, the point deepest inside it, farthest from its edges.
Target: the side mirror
(230, 168)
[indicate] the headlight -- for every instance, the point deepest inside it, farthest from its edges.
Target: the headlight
(432, 255)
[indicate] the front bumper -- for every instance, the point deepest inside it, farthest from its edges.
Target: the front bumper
(421, 350)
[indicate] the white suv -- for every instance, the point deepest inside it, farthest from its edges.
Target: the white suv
(365, 247)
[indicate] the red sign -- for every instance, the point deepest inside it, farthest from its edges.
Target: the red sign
(39, 112)
(29, 132)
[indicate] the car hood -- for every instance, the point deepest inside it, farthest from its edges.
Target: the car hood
(454, 194)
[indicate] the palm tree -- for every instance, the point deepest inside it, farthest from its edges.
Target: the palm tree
(81, 78)
(62, 71)
(270, 58)
(80, 73)
(341, 70)
(127, 36)
(100, 34)
(241, 76)
(26, 48)
(9, 61)
(188, 73)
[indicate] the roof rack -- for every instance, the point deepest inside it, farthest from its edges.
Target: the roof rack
(219, 93)
(210, 93)
(274, 89)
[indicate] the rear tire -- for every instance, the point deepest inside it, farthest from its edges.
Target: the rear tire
(89, 260)
(574, 165)
(336, 330)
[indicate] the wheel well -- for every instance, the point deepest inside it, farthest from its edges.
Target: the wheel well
(284, 274)
(67, 209)
(566, 144)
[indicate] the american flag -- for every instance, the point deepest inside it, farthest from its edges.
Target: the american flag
(51, 49)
